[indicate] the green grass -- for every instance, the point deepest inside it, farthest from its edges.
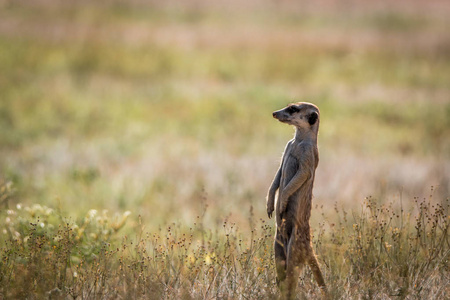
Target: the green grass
(164, 110)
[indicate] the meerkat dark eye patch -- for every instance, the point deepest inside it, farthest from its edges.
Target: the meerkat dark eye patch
(292, 109)
(312, 118)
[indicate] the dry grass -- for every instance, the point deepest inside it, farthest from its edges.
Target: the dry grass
(378, 252)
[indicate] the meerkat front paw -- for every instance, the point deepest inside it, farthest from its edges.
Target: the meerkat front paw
(270, 211)
(270, 207)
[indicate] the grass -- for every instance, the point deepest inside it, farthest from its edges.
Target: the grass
(405, 252)
(164, 110)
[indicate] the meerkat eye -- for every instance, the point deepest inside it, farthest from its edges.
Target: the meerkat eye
(292, 109)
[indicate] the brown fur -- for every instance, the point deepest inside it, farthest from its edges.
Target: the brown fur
(294, 181)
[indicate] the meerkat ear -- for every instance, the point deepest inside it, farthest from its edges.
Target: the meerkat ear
(312, 118)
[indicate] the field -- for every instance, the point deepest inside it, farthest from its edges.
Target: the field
(137, 146)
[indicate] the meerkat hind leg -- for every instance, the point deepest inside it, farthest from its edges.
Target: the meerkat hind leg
(295, 262)
(280, 258)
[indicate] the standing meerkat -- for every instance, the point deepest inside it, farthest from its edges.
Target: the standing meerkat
(294, 181)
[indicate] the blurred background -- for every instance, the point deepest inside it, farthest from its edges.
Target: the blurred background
(164, 108)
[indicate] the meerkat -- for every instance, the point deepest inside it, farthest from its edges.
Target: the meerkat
(294, 181)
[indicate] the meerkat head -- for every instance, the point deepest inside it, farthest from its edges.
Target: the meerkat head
(302, 115)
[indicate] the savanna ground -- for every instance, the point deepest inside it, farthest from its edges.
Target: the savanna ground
(137, 146)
